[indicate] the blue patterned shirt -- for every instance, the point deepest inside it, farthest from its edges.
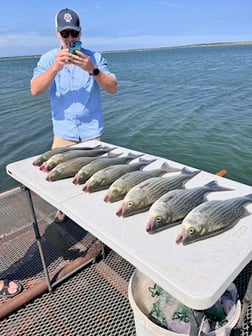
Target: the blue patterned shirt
(75, 98)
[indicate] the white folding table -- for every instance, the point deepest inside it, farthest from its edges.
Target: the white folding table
(195, 274)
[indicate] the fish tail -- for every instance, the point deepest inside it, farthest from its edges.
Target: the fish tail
(165, 166)
(145, 161)
(107, 149)
(248, 197)
(214, 186)
(97, 146)
(113, 155)
(133, 156)
(189, 173)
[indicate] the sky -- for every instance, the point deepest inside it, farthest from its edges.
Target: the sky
(27, 27)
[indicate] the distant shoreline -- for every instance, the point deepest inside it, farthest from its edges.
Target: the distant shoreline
(199, 45)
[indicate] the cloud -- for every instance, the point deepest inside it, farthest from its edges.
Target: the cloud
(25, 44)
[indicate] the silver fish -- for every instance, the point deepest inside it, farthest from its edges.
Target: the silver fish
(172, 207)
(105, 177)
(211, 218)
(46, 155)
(68, 168)
(121, 186)
(54, 160)
(87, 171)
(144, 194)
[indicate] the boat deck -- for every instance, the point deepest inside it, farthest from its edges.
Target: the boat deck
(91, 301)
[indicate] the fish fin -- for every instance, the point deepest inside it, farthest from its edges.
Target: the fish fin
(165, 166)
(246, 213)
(214, 186)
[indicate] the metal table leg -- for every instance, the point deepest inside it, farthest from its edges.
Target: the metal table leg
(37, 235)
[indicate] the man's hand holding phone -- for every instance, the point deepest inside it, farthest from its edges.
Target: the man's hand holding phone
(79, 58)
(73, 46)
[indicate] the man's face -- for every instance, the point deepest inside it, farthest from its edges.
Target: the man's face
(68, 35)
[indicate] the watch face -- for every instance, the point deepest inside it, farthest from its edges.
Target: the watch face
(96, 72)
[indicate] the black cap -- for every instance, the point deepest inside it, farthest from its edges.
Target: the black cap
(67, 19)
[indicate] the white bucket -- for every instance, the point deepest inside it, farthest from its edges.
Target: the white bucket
(141, 304)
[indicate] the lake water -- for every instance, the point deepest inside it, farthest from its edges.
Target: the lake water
(192, 105)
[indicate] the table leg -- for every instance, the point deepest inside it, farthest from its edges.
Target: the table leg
(37, 235)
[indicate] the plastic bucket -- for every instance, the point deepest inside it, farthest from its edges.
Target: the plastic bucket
(141, 303)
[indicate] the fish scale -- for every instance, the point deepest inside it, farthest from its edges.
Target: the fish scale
(68, 168)
(136, 177)
(173, 206)
(105, 177)
(46, 155)
(228, 210)
(159, 185)
(118, 170)
(196, 196)
(121, 186)
(87, 171)
(212, 218)
(141, 197)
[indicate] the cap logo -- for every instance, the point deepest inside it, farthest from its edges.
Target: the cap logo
(68, 17)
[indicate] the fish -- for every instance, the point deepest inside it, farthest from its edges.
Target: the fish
(171, 208)
(144, 194)
(105, 177)
(123, 184)
(46, 155)
(88, 170)
(211, 218)
(68, 168)
(61, 157)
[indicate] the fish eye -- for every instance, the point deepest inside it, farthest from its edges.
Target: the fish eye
(191, 230)
(158, 219)
(130, 204)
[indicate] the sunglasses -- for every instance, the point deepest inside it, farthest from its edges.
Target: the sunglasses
(66, 33)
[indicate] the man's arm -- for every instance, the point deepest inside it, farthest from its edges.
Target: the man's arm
(42, 82)
(107, 82)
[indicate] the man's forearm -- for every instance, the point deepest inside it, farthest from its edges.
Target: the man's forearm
(107, 82)
(41, 83)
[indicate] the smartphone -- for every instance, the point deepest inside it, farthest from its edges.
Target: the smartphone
(73, 46)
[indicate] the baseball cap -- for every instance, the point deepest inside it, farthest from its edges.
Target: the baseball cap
(67, 19)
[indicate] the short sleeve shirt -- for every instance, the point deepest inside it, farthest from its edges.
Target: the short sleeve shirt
(75, 98)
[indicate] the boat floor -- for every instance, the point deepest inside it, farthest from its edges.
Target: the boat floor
(92, 301)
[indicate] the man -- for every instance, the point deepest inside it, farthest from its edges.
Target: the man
(74, 81)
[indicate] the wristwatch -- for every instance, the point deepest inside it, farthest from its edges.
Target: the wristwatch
(95, 72)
